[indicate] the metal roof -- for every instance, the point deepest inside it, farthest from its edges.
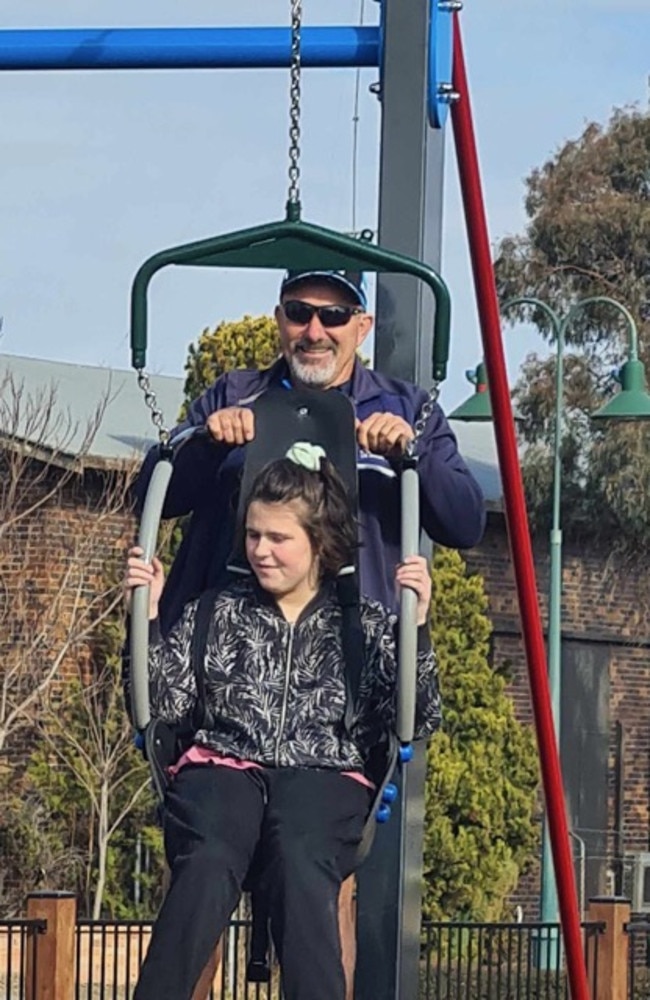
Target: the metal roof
(76, 391)
(477, 445)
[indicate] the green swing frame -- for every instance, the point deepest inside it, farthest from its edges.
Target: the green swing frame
(290, 244)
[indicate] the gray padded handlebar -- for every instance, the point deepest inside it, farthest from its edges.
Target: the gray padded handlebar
(408, 629)
(149, 524)
(147, 535)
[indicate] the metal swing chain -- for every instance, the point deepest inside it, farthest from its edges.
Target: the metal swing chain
(293, 202)
(423, 418)
(294, 188)
(151, 403)
(294, 126)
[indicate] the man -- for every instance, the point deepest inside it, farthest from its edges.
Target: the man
(322, 320)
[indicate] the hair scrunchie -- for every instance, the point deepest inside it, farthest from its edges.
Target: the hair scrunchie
(309, 455)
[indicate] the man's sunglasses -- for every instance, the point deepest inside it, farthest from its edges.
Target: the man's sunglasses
(302, 313)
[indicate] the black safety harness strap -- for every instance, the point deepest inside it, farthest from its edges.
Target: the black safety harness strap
(352, 640)
(201, 717)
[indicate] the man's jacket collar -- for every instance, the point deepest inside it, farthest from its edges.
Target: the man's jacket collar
(364, 386)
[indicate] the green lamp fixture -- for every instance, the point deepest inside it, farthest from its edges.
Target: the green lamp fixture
(476, 407)
(632, 402)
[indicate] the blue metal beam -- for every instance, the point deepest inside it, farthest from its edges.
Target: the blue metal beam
(184, 48)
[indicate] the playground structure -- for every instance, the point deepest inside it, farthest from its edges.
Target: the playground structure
(412, 46)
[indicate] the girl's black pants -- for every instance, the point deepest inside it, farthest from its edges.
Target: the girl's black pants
(303, 827)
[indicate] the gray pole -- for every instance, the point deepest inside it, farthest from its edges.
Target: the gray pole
(410, 220)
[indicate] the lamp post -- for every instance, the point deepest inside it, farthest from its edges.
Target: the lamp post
(631, 403)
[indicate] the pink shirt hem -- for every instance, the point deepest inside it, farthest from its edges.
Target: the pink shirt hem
(202, 755)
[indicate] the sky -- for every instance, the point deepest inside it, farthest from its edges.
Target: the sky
(100, 170)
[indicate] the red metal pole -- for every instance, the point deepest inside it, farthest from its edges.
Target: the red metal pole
(517, 522)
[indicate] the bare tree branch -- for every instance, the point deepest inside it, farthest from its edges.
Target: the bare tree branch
(61, 526)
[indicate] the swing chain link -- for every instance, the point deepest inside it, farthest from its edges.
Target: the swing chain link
(151, 403)
(423, 418)
(294, 127)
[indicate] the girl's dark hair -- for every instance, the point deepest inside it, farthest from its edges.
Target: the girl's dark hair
(328, 517)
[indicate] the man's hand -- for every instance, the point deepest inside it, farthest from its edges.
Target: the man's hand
(384, 434)
(233, 425)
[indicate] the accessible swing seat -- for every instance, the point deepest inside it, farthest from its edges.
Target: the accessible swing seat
(283, 420)
(286, 419)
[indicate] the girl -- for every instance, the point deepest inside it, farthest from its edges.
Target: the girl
(276, 772)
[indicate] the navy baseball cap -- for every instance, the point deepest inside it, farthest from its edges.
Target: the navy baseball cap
(353, 282)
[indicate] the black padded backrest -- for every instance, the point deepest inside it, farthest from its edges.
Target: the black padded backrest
(284, 417)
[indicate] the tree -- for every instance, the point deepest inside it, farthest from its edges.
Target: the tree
(588, 234)
(251, 342)
(482, 767)
(64, 528)
(32, 850)
(52, 593)
(87, 772)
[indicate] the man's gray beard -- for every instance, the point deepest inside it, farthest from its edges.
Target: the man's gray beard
(312, 375)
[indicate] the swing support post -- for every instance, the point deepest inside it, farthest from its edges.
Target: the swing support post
(410, 221)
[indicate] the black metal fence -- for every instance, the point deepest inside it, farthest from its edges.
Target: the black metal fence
(18, 956)
(110, 953)
(481, 961)
(108, 957)
(460, 961)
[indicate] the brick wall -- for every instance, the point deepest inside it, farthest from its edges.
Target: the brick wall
(605, 606)
(54, 565)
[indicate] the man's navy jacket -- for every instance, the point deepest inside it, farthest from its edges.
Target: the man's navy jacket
(206, 479)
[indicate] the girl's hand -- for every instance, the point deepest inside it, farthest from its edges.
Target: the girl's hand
(142, 574)
(414, 573)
